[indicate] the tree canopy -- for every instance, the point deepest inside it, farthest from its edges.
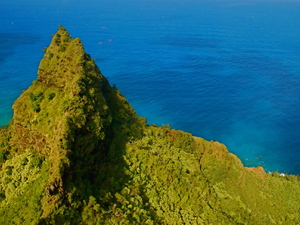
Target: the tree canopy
(77, 153)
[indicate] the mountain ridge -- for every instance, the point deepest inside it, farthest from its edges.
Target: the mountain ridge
(77, 153)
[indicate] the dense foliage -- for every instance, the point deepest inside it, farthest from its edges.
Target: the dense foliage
(77, 153)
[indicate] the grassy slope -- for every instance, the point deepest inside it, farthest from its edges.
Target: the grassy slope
(76, 152)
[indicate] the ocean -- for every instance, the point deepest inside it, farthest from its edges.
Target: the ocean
(224, 70)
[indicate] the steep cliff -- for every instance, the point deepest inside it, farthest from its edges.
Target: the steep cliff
(77, 153)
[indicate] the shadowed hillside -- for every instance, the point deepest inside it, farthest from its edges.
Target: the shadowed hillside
(77, 153)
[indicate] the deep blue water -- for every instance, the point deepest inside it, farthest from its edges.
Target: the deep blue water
(227, 71)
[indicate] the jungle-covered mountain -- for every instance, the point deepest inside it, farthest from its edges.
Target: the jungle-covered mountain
(76, 152)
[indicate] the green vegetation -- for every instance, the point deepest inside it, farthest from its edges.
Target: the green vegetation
(77, 153)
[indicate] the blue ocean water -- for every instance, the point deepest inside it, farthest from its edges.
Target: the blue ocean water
(227, 71)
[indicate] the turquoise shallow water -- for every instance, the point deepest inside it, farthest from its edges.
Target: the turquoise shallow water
(224, 70)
